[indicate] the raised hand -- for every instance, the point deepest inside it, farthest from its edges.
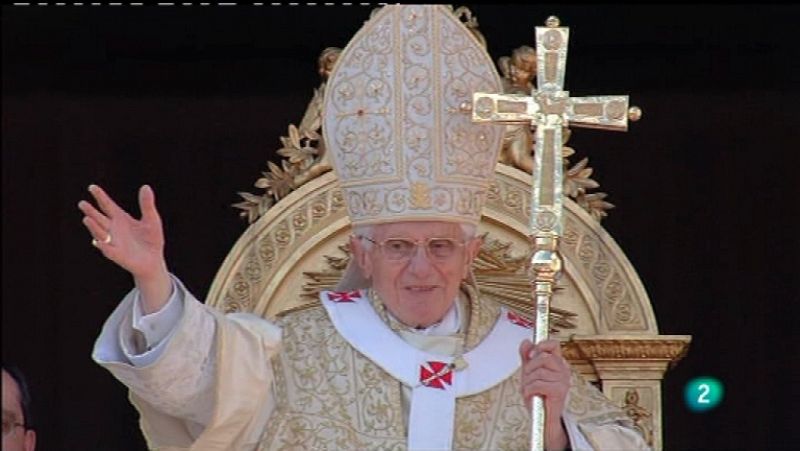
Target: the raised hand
(545, 372)
(135, 245)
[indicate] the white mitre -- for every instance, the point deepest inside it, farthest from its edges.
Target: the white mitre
(396, 119)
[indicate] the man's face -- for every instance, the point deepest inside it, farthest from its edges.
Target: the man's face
(19, 439)
(421, 289)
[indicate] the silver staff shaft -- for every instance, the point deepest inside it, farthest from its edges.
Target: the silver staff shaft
(546, 266)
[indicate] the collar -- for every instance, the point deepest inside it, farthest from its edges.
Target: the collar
(450, 324)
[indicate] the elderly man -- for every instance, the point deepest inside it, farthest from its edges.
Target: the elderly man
(404, 354)
(18, 433)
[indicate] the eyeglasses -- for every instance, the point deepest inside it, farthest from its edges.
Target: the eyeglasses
(9, 425)
(400, 249)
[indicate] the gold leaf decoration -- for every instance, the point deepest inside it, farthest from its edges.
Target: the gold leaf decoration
(299, 149)
(279, 181)
(303, 151)
(578, 179)
(595, 204)
(253, 206)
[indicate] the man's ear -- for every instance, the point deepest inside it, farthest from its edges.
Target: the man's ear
(473, 247)
(29, 442)
(361, 256)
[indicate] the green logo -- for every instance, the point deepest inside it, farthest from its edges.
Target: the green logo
(703, 393)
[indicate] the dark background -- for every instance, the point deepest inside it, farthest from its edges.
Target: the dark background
(192, 100)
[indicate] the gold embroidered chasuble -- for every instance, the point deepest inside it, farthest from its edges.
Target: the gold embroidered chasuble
(330, 396)
(318, 392)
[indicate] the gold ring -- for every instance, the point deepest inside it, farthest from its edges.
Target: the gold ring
(105, 241)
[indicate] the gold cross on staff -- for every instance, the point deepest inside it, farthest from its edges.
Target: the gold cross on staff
(549, 109)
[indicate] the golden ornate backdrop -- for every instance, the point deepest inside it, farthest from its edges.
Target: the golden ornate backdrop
(296, 245)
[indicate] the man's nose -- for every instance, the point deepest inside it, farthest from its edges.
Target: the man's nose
(420, 263)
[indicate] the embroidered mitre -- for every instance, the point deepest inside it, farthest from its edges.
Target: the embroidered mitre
(396, 118)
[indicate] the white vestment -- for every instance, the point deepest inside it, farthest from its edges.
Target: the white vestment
(339, 377)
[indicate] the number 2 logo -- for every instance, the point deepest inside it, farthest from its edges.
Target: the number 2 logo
(704, 390)
(703, 393)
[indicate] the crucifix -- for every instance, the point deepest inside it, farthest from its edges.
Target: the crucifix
(548, 110)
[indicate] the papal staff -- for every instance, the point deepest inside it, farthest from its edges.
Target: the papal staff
(548, 110)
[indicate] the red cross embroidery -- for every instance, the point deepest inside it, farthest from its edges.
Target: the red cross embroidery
(519, 321)
(438, 374)
(343, 296)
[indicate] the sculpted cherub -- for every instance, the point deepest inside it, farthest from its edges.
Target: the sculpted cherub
(518, 72)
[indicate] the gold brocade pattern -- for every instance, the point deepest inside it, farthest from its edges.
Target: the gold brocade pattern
(482, 316)
(587, 404)
(329, 396)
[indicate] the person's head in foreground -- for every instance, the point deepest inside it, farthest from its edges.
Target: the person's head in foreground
(18, 433)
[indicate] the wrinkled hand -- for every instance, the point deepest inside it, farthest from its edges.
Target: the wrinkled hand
(135, 245)
(545, 372)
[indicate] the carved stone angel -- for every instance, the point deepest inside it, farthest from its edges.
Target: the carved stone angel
(518, 72)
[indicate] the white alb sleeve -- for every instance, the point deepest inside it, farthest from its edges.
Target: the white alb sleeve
(145, 339)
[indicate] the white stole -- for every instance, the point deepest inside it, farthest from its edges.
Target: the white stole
(432, 417)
